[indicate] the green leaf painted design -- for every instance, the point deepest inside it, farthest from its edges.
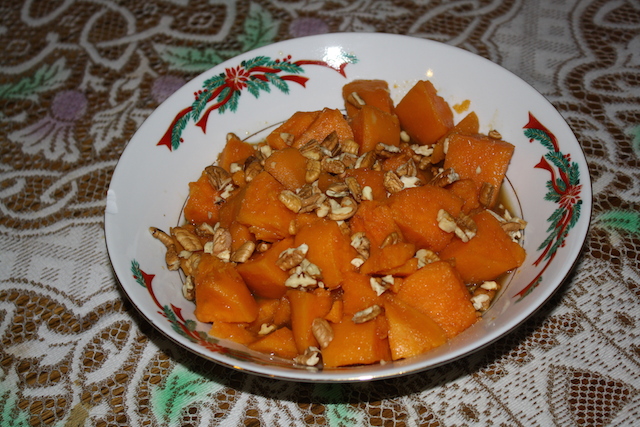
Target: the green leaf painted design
(635, 142)
(260, 29)
(47, 77)
(627, 221)
(181, 389)
(187, 58)
(137, 273)
(10, 414)
(338, 413)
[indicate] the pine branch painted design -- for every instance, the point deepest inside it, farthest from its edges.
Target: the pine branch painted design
(256, 75)
(563, 189)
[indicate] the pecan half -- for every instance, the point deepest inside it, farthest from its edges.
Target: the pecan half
(218, 177)
(292, 257)
(188, 240)
(343, 210)
(322, 331)
(392, 182)
(367, 314)
(244, 252)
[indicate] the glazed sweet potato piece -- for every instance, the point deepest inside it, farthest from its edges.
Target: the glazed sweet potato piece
(357, 293)
(228, 211)
(201, 206)
(467, 191)
(328, 121)
(337, 310)
(371, 125)
(279, 342)
(240, 234)
(262, 211)
(262, 275)
(388, 258)
(437, 290)
(283, 135)
(221, 294)
(404, 270)
(355, 344)
(415, 211)
(236, 332)
(423, 114)
(411, 331)
(468, 125)
(288, 167)
(370, 178)
(305, 308)
(234, 151)
(266, 311)
(329, 249)
(479, 158)
(374, 93)
(282, 315)
(376, 220)
(488, 255)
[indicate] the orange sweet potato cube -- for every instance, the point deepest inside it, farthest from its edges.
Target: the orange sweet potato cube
(262, 275)
(376, 220)
(305, 308)
(479, 158)
(486, 256)
(221, 294)
(279, 342)
(355, 344)
(329, 249)
(411, 331)
(288, 166)
(437, 290)
(370, 178)
(374, 93)
(201, 206)
(371, 125)
(423, 114)
(416, 210)
(261, 210)
(469, 125)
(357, 293)
(283, 135)
(388, 258)
(328, 121)
(234, 151)
(236, 332)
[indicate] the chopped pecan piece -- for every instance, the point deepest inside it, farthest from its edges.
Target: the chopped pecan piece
(322, 331)
(445, 177)
(360, 242)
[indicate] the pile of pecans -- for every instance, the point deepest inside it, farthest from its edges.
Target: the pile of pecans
(339, 202)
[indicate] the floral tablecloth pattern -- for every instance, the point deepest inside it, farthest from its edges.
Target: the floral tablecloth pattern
(77, 78)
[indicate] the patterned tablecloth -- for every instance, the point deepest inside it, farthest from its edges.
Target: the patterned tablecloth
(77, 77)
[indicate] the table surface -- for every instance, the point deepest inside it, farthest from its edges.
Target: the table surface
(78, 77)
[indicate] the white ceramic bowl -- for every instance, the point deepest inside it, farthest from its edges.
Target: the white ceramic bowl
(548, 177)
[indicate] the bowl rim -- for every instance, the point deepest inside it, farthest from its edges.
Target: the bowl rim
(353, 374)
